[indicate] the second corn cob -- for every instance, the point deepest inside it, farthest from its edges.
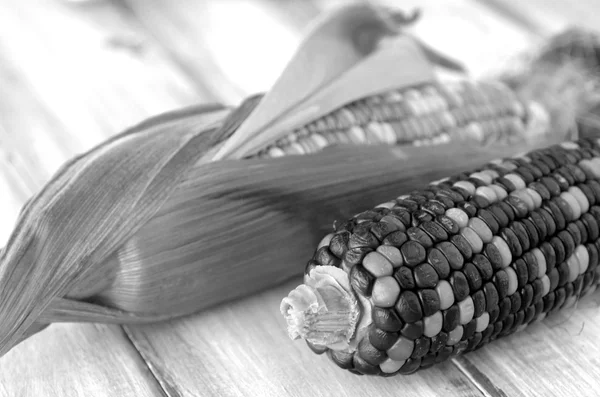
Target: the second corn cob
(447, 269)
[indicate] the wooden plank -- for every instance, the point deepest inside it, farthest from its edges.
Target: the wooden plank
(91, 66)
(242, 349)
(235, 47)
(76, 360)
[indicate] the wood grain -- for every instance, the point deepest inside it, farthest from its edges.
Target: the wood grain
(76, 360)
(233, 48)
(242, 349)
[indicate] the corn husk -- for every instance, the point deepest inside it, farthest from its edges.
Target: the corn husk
(173, 215)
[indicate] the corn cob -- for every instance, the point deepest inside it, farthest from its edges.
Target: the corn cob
(435, 113)
(447, 269)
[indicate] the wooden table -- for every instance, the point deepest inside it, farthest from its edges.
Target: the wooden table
(73, 73)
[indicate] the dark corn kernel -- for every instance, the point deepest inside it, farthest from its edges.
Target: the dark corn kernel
(413, 331)
(529, 314)
(473, 276)
(430, 301)
(438, 341)
(469, 329)
(501, 283)
(409, 205)
(435, 231)
(492, 253)
(504, 309)
(451, 318)
(355, 256)
(549, 254)
(438, 260)
(521, 233)
(557, 215)
(591, 226)
(362, 366)
(548, 220)
(551, 184)
(474, 341)
(579, 232)
(484, 266)
(561, 181)
(478, 303)
(541, 189)
(554, 278)
(588, 193)
(563, 172)
(339, 244)
(468, 208)
(538, 222)
(565, 209)
(341, 358)
(491, 296)
(404, 277)
(527, 295)
(421, 216)
(560, 298)
(515, 302)
(444, 201)
(499, 215)
(532, 233)
(369, 353)
(494, 315)
(422, 346)
(480, 201)
(513, 242)
(452, 254)
(316, 349)
(444, 354)
(508, 210)
(447, 223)
(559, 249)
(383, 229)
(324, 257)
(425, 276)
(532, 266)
(410, 366)
(362, 237)
(460, 285)
(568, 242)
(489, 220)
(361, 280)
(386, 320)
(518, 206)
(413, 253)
(396, 239)
(417, 234)
(380, 339)
(408, 307)
(462, 245)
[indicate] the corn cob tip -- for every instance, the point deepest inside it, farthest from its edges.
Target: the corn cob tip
(324, 311)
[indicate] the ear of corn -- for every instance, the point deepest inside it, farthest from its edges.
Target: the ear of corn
(447, 269)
